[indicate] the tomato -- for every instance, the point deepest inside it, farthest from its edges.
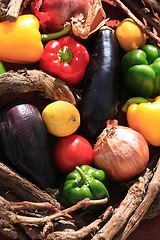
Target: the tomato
(71, 151)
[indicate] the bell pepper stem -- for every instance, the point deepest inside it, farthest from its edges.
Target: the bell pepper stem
(2, 69)
(82, 174)
(65, 54)
(133, 100)
(51, 36)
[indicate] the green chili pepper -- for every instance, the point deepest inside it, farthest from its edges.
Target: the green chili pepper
(85, 182)
(141, 70)
(2, 69)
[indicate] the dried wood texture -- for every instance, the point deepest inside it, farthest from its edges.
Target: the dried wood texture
(144, 28)
(11, 9)
(153, 4)
(154, 208)
(152, 191)
(123, 212)
(19, 195)
(144, 14)
(34, 80)
(147, 22)
(83, 232)
(14, 187)
(38, 219)
(133, 208)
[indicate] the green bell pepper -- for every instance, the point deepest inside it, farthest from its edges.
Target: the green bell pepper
(85, 182)
(141, 69)
(2, 69)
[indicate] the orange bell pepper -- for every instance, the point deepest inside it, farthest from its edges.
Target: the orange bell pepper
(143, 115)
(21, 41)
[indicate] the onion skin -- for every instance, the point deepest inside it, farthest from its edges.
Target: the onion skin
(86, 17)
(54, 13)
(121, 152)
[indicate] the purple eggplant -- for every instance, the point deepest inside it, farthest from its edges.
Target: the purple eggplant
(24, 144)
(102, 81)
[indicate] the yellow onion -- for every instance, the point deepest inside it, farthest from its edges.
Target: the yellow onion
(121, 152)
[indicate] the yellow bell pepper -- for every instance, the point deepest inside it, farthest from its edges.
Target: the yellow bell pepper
(20, 41)
(143, 115)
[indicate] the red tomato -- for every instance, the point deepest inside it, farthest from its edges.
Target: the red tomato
(71, 151)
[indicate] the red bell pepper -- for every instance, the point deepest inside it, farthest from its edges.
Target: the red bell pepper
(65, 58)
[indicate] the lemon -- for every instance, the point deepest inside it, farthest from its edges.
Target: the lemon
(129, 35)
(61, 118)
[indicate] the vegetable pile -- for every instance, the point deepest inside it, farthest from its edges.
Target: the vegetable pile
(76, 120)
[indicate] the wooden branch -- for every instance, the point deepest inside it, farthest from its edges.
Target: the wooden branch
(83, 232)
(153, 4)
(9, 214)
(125, 209)
(34, 80)
(21, 188)
(139, 23)
(17, 206)
(152, 191)
(10, 211)
(11, 9)
(142, 14)
(34, 220)
(144, 28)
(14, 9)
(8, 229)
(115, 224)
(154, 209)
(127, 216)
(3, 9)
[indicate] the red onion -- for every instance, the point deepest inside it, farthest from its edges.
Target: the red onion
(86, 16)
(121, 152)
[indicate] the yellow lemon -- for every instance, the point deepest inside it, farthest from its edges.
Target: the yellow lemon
(61, 118)
(129, 35)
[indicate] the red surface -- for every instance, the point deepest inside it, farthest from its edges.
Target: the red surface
(148, 230)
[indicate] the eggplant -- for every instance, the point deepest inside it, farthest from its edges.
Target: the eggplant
(24, 144)
(101, 85)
